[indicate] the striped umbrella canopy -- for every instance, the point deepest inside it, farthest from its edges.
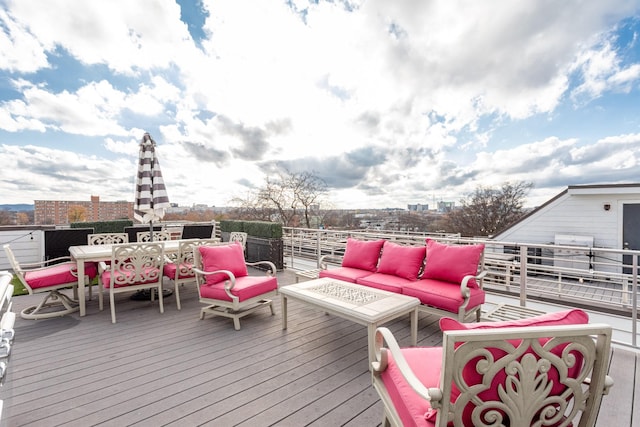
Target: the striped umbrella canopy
(151, 198)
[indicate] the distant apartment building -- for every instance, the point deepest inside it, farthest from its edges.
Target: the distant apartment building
(419, 207)
(446, 206)
(64, 212)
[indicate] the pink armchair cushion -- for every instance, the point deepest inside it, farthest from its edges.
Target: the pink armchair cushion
(443, 295)
(402, 261)
(223, 257)
(246, 287)
(426, 364)
(471, 375)
(452, 262)
(362, 254)
(58, 274)
(347, 274)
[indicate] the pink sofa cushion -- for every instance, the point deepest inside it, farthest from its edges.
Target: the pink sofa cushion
(170, 269)
(362, 254)
(123, 277)
(246, 287)
(471, 375)
(443, 295)
(223, 257)
(386, 282)
(346, 274)
(426, 364)
(402, 261)
(452, 262)
(58, 274)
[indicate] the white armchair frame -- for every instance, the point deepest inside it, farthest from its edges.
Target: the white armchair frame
(55, 303)
(526, 397)
(233, 309)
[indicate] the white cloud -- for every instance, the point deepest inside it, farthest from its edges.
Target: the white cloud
(376, 94)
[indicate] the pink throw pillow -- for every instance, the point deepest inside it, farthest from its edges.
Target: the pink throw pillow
(223, 257)
(452, 262)
(401, 261)
(362, 254)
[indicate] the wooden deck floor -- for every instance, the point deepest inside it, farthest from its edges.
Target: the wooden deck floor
(154, 369)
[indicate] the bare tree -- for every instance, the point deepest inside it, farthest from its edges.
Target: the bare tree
(487, 210)
(285, 195)
(308, 190)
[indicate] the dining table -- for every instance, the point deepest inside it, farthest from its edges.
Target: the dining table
(96, 253)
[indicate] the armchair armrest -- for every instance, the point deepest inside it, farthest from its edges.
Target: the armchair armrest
(434, 395)
(272, 267)
(330, 259)
(45, 263)
(464, 286)
(228, 284)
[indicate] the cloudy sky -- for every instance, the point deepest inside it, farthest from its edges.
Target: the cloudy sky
(390, 102)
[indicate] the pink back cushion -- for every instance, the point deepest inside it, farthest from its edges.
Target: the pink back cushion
(452, 262)
(362, 254)
(471, 375)
(223, 257)
(401, 261)
(567, 317)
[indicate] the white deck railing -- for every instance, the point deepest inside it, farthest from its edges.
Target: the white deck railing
(602, 280)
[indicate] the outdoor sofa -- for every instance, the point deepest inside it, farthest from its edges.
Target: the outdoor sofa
(447, 279)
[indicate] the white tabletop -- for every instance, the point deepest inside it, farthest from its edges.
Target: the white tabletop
(352, 301)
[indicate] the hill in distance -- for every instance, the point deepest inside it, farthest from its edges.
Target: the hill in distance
(16, 207)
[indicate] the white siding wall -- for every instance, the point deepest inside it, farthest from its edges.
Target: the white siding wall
(582, 215)
(23, 246)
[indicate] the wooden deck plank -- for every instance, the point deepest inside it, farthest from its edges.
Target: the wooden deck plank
(154, 369)
(617, 406)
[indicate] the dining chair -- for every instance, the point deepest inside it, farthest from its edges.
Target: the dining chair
(225, 285)
(520, 373)
(240, 237)
(50, 277)
(158, 236)
(179, 268)
(107, 238)
(133, 267)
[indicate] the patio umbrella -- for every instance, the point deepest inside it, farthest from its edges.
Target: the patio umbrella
(151, 198)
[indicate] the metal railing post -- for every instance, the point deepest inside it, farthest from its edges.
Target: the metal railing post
(634, 299)
(318, 252)
(523, 276)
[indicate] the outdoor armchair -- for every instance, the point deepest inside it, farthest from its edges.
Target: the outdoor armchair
(225, 286)
(50, 277)
(551, 375)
